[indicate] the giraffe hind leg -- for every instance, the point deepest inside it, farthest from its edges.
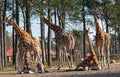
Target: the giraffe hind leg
(40, 62)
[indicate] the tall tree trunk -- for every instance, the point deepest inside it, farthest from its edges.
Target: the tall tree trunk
(83, 15)
(13, 32)
(16, 41)
(49, 38)
(43, 42)
(28, 24)
(42, 36)
(118, 22)
(55, 17)
(63, 15)
(4, 35)
(106, 19)
(115, 51)
(1, 63)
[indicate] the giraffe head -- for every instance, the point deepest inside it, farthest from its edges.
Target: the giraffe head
(43, 18)
(88, 31)
(9, 21)
(98, 11)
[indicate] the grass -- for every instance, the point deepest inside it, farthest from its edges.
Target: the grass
(117, 61)
(8, 69)
(55, 64)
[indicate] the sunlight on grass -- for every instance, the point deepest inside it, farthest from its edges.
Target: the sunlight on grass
(8, 69)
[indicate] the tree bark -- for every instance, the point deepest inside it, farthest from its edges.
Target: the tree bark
(28, 24)
(16, 41)
(49, 38)
(83, 15)
(42, 36)
(55, 17)
(1, 33)
(4, 36)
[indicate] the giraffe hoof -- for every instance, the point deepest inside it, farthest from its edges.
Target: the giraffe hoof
(30, 72)
(85, 68)
(20, 72)
(42, 71)
(96, 68)
(59, 67)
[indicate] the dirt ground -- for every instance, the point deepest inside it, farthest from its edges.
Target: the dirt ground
(114, 72)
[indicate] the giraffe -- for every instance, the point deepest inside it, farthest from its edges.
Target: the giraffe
(29, 64)
(102, 40)
(64, 40)
(27, 43)
(90, 61)
(32, 65)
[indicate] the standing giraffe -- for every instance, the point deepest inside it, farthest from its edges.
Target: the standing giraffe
(102, 40)
(90, 61)
(64, 40)
(27, 43)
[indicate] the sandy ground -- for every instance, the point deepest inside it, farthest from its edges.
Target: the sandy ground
(114, 72)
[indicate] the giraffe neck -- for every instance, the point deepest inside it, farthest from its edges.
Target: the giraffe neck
(92, 52)
(18, 30)
(98, 28)
(90, 45)
(54, 27)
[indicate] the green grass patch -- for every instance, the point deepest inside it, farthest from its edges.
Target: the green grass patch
(8, 69)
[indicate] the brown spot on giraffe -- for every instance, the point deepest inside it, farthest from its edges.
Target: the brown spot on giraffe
(27, 43)
(102, 40)
(64, 40)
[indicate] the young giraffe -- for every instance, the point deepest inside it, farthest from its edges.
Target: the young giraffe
(29, 64)
(32, 65)
(27, 43)
(90, 61)
(102, 39)
(64, 40)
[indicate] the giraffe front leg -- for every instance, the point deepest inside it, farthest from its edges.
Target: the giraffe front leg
(71, 58)
(40, 62)
(99, 55)
(60, 60)
(108, 57)
(20, 62)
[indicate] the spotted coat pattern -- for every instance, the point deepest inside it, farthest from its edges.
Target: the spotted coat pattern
(27, 43)
(64, 40)
(102, 40)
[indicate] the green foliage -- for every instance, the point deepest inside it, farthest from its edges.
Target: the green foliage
(77, 34)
